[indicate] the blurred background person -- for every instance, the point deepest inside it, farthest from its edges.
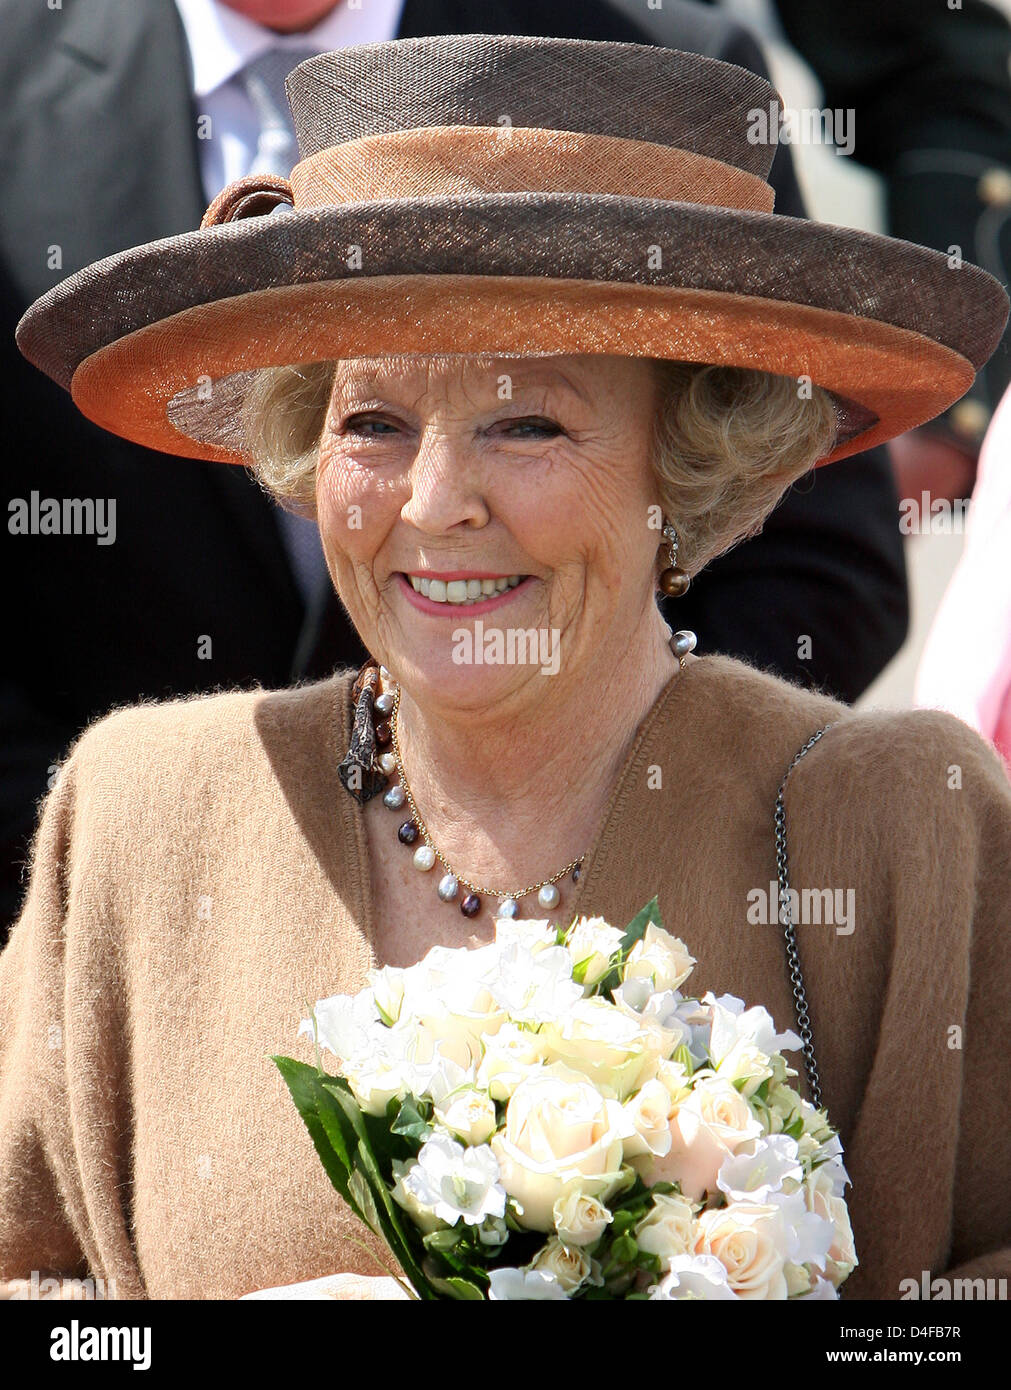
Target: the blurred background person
(966, 664)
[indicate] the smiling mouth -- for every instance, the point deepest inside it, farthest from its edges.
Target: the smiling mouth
(462, 592)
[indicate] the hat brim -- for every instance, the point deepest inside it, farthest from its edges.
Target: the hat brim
(164, 335)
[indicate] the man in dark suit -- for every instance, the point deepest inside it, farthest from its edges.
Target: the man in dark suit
(98, 147)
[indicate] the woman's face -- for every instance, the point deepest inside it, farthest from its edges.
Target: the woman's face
(450, 474)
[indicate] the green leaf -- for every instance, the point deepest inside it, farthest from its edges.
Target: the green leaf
(624, 1249)
(392, 1228)
(636, 929)
(457, 1287)
(411, 1120)
(304, 1084)
(683, 1056)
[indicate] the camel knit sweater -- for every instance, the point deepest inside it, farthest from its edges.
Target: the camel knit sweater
(200, 878)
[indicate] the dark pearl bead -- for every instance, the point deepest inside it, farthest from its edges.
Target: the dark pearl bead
(383, 734)
(408, 833)
(576, 873)
(471, 905)
(674, 582)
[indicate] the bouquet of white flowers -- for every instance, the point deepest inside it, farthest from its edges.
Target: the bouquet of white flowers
(549, 1117)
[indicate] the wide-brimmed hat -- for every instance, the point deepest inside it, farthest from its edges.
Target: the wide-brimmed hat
(510, 195)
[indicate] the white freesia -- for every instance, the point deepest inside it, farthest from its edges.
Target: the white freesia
(514, 1285)
(345, 1024)
(822, 1290)
(455, 1183)
(614, 1051)
(693, 1277)
(533, 935)
(468, 1114)
(668, 1228)
(591, 942)
(570, 1265)
(533, 987)
(732, 1023)
(579, 1219)
(649, 1113)
(559, 1133)
(511, 1056)
(751, 1177)
(660, 957)
(658, 1010)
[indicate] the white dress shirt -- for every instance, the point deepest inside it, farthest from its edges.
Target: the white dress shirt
(221, 42)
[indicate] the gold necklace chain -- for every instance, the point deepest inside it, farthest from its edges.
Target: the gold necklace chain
(423, 828)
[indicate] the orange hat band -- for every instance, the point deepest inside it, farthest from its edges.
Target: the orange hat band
(460, 160)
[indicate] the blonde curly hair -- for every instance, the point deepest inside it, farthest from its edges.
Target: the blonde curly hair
(728, 442)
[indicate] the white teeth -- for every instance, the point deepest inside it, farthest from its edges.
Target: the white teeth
(462, 592)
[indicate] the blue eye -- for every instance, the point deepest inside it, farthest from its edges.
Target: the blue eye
(367, 425)
(538, 427)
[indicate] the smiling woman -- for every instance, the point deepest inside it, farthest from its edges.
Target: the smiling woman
(522, 413)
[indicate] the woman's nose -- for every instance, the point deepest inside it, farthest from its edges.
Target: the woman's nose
(446, 483)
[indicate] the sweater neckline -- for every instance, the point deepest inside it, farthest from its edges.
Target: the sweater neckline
(608, 828)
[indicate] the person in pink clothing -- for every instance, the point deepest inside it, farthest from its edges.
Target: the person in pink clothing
(966, 664)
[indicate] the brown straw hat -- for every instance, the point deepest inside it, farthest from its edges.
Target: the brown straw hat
(493, 194)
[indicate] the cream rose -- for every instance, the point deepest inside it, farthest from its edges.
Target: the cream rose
(578, 1219)
(570, 1265)
(667, 1230)
(659, 957)
(559, 1135)
(649, 1113)
(748, 1242)
(595, 1038)
(511, 1055)
(468, 1114)
(711, 1123)
(821, 1199)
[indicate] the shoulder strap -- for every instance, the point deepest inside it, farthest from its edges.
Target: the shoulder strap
(786, 921)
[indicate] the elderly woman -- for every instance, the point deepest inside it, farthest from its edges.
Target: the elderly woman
(522, 380)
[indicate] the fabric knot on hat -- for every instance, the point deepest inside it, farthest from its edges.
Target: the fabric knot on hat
(256, 195)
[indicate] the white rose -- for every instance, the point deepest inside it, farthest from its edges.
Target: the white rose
(667, 1229)
(649, 1112)
(711, 1123)
(591, 942)
(559, 1133)
(569, 1265)
(511, 1055)
(748, 1241)
(578, 1219)
(821, 1199)
(660, 957)
(613, 1050)
(469, 1114)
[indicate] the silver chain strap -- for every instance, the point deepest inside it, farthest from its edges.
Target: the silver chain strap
(786, 921)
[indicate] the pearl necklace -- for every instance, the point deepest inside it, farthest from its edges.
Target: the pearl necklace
(427, 855)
